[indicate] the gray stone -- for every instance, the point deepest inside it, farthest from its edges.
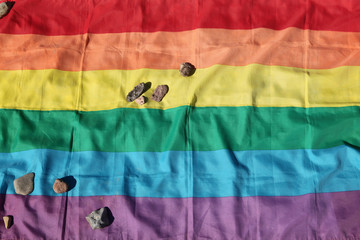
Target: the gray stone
(187, 69)
(100, 218)
(136, 92)
(24, 185)
(160, 93)
(60, 186)
(5, 8)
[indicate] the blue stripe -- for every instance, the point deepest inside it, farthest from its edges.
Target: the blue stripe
(166, 174)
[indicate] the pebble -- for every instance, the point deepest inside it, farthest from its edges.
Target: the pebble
(187, 69)
(5, 8)
(160, 93)
(100, 218)
(141, 100)
(60, 186)
(8, 221)
(24, 185)
(136, 92)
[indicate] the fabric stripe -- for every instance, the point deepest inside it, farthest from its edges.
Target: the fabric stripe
(166, 50)
(64, 18)
(220, 173)
(151, 130)
(336, 216)
(219, 85)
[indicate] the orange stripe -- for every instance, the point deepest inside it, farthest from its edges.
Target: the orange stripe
(166, 50)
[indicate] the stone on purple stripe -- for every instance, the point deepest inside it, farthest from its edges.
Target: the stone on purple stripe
(8, 221)
(100, 218)
(24, 185)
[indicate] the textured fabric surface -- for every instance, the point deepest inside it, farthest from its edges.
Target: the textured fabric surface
(262, 142)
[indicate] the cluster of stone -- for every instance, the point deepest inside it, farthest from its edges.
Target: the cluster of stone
(186, 70)
(24, 185)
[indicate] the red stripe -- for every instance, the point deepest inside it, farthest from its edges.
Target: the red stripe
(59, 17)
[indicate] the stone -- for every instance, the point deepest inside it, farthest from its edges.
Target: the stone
(141, 100)
(136, 92)
(24, 185)
(5, 8)
(160, 93)
(8, 221)
(187, 69)
(60, 186)
(100, 218)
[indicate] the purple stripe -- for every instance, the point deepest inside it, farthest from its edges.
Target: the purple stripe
(312, 216)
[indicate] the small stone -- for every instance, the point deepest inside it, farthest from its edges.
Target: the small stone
(8, 221)
(24, 185)
(5, 8)
(100, 218)
(60, 186)
(187, 69)
(136, 92)
(160, 93)
(141, 100)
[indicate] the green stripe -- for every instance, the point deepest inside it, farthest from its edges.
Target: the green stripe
(183, 128)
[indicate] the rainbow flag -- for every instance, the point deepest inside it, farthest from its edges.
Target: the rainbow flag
(262, 142)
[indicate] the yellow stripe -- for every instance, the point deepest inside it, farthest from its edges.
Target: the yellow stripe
(219, 85)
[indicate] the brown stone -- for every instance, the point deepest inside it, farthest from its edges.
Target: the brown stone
(5, 8)
(141, 100)
(160, 93)
(8, 221)
(60, 186)
(187, 69)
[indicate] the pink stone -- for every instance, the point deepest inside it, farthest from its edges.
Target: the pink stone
(141, 100)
